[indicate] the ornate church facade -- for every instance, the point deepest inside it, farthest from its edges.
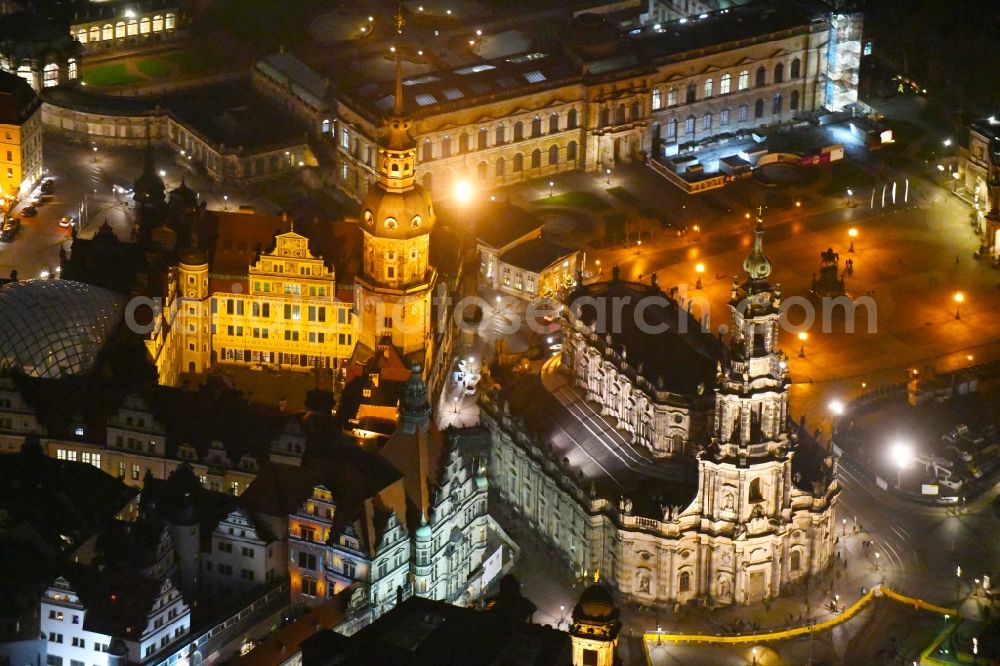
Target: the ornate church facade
(736, 511)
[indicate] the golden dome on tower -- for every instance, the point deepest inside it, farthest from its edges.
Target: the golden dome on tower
(391, 213)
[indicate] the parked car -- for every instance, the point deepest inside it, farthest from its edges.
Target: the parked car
(66, 222)
(48, 186)
(29, 211)
(10, 228)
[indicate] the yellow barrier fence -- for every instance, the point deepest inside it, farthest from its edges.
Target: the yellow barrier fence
(919, 604)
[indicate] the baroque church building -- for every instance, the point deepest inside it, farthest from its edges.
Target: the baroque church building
(664, 457)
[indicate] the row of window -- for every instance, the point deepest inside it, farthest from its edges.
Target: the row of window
(314, 313)
(315, 337)
(725, 83)
(742, 114)
(483, 136)
(500, 166)
(121, 29)
(84, 456)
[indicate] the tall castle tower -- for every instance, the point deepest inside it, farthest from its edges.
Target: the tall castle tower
(194, 315)
(595, 628)
(746, 472)
(393, 291)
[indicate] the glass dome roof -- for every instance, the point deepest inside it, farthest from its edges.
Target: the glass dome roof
(55, 328)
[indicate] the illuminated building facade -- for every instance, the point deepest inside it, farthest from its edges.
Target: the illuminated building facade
(733, 510)
(608, 100)
(20, 137)
(100, 27)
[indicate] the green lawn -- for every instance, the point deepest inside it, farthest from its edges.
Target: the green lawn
(578, 199)
(154, 68)
(108, 75)
(623, 195)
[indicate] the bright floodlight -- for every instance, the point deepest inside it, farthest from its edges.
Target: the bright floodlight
(852, 232)
(699, 268)
(803, 335)
(959, 297)
(901, 454)
(837, 407)
(463, 191)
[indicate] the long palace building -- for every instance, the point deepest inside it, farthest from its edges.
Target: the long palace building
(664, 457)
(600, 98)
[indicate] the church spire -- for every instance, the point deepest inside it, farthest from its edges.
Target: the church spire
(398, 106)
(414, 409)
(756, 264)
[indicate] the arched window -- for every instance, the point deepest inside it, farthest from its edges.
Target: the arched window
(518, 163)
(446, 147)
(518, 131)
(796, 67)
(744, 81)
(724, 84)
(169, 22)
(325, 126)
(692, 93)
(133, 28)
(428, 152)
(795, 561)
(741, 114)
(793, 101)
(119, 29)
(684, 582)
(500, 137)
(484, 139)
(463, 143)
(635, 113)
(553, 123)
(50, 75)
(500, 168)
(672, 128)
(689, 125)
(758, 109)
(761, 77)
(605, 118)
(536, 158)
(707, 91)
(779, 72)
(571, 119)
(776, 104)
(706, 121)
(95, 33)
(107, 32)
(144, 25)
(571, 151)
(71, 71)
(81, 36)
(620, 115)
(157, 23)
(536, 126)
(553, 155)
(24, 71)
(481, 170)
(724, 117)
(754, 495)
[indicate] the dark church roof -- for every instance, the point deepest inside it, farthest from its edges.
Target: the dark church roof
(424, 632)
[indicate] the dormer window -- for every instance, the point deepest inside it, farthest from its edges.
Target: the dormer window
(390, 223)
(416, 222)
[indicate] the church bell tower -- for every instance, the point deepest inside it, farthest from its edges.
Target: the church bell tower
(393, 290)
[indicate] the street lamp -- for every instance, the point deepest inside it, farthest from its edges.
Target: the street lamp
(959, 298)
(850, 195)
(946, 143)
(551, 185)
(844, 522)
(607, 172)
(699, 269)
(852, 233)
(803, 336)
(958, 582)
(225, 202)
(463, 191)
(901, 454)
(876, 561)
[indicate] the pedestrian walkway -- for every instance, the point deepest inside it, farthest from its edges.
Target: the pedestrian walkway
(813, 627)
